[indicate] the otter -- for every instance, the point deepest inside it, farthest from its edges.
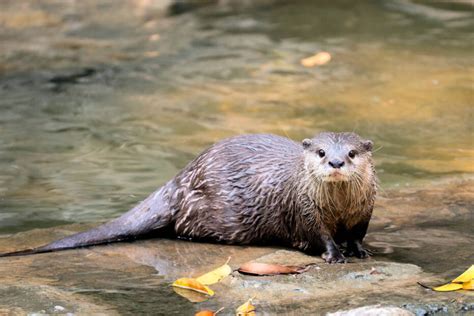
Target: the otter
(258, 189)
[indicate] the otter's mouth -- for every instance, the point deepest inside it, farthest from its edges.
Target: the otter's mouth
(336, 176)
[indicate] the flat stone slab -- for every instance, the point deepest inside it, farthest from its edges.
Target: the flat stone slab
(110, 279)
(373, 310)
(135, 277)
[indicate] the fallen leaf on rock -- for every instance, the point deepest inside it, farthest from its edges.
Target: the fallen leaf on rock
(318, 59)
(246, 309)
(204, 313)
(463, 282)
(194, 285)
(186, 286)
(215, 275)
(256, 268)
(448, 287)
(467, 276)
(468, 285)
(209, 313)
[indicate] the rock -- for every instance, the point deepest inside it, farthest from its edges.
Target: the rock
(373, 310)
(59, 308)
(135, 277)
(322, 286)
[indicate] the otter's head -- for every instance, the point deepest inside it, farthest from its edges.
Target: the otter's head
(336, 157)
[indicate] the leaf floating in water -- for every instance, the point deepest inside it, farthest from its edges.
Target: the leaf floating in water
(319, 59)
(215, 275)
(194, 285)
(246, 309)
(256, 268)
(467, 276)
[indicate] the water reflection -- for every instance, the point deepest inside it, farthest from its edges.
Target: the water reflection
(90, 124)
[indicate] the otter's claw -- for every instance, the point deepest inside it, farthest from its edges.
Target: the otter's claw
(361, 254)
(333, 257)
(356, 250)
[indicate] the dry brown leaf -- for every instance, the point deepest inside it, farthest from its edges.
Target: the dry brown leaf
(318, 59)
(256, 268)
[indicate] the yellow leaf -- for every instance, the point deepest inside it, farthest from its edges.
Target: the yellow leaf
(194, 285)
(448, 287)
(215, 275)
(467, 276)
(246, 309)
(319, 59)
(191, 295)
(468, 285)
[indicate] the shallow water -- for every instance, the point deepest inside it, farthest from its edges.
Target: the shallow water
(102, 102)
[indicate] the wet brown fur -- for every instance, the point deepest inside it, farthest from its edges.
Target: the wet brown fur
(254, 189)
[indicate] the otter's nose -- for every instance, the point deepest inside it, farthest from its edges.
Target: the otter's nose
(336, 163)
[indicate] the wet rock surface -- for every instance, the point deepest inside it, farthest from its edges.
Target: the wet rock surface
(135, 277)
(374, 310)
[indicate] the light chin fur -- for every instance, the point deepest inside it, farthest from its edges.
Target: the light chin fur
(336, 176)
(335, 179)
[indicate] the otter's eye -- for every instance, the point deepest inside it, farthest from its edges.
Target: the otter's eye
(321, 153)
(352, 154)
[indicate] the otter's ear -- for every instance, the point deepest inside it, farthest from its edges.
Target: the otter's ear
(307, 143)
(368, 145)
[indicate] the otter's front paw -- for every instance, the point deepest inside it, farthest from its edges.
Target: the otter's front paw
(362, 254)
(356, 250)
(334, 257)
(358, 253)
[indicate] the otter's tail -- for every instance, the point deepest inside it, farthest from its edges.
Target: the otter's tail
(147, 217)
